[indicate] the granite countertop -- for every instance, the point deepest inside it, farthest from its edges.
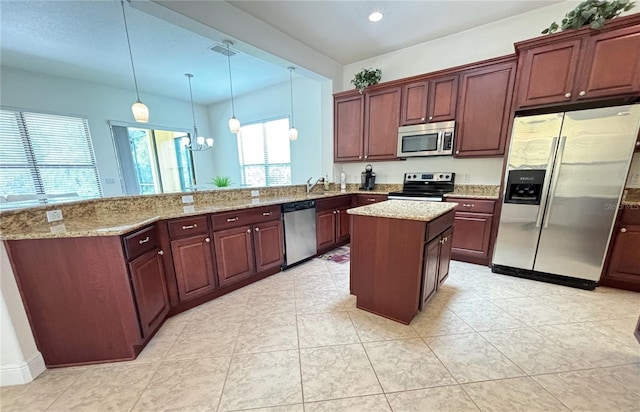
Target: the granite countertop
(405, 209)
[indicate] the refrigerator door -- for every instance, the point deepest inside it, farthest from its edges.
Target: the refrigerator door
(589, 174)
(533, 145)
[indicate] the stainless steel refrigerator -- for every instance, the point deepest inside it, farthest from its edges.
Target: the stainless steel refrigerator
(563, 183)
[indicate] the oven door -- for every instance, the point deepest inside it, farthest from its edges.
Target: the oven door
(419, 144)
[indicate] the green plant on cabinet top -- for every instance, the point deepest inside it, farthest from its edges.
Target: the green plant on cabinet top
(592, 12)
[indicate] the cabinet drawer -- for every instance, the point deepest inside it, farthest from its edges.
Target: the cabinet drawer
(363, 199)
(245, 217)
(333, 203)
(187, 226)
(473, 205)
(140, 242)
(630, 216)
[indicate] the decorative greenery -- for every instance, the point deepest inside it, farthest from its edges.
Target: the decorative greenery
(221, 181)
(593, 12)
(365, 78)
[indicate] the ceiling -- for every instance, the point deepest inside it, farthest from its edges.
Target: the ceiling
(341, 29)
(85, 40)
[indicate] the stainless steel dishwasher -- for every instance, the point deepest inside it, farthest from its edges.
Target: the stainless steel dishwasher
(299, 231)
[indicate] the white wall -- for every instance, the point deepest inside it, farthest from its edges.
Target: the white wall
(633, 179)
(100, 104)
(268, 103)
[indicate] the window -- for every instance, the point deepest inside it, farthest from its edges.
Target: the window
(265, 156)
(45, 158)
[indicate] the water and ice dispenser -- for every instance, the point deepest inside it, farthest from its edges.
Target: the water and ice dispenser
(524, 187)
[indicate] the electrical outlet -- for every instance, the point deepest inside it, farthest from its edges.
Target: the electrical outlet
(466, 178)
(255, 193)
(187, 199)
(635, 179)
(59, 228)
(188, 209)
(54, 215)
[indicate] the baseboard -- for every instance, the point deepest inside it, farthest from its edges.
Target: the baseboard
(22, 373)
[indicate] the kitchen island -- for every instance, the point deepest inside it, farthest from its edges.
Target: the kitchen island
(400, 254)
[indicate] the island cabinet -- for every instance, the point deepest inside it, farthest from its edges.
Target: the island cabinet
(332, 222)
(473, 222)
(432, 100)
(91, 299)
(248, 243)
(580, 65)
(484, 108)
(622, 269)
(398, 264)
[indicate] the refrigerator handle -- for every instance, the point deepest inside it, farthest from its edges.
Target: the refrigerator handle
(545, 186)
(554, 178)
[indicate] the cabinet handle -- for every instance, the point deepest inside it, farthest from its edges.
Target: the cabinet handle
(248, 230)
(233, 219)
(467, 205)
(207, 240)
(441, 241)
(338, 211)
(582, 93)
(266, 213)
(638, 143)
(145, 240)
(190, 226)
(371, 199)
(422, 119)
(623, 230)
(359, 157)
(457, 151)
(160, 252)
(257, 229)
(334, 212)
(366, 156)
(430, 117)
(567, 95)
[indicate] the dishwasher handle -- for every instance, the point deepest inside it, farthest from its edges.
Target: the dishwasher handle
(301, 205)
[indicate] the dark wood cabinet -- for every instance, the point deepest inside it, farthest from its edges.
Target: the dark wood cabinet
(431, 267)
(150, 290)
(268, 241)
(348, 127)
(623, 267)
(342, 225)
(193, 264)
(473, 223)
(332, 223)
(414, 103)
(362, 199)
(580, 64)
(234, 254)
(443, 94)
(325, 229)
(444, 258)
(381, 122)
(484, 110)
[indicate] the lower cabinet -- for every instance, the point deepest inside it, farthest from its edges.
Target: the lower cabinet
(150, 290)
(268, 240)
(437, 257)
(332, 223)
(623, 267)
(367, 199)
(193, 264)
(473, 223)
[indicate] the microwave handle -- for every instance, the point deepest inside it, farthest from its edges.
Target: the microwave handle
(440, 143)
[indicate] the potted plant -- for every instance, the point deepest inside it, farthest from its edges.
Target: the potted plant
(365, 78)
(592, 12)
(221, 181)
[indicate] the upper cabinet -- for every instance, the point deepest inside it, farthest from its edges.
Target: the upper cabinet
(580, 64)
(429, 100)
(348, 125)
(414, 103)
(484, 109)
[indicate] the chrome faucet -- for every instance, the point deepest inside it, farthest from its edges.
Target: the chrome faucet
(310, 186)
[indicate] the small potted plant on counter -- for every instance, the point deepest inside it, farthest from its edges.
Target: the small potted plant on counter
(221, 181)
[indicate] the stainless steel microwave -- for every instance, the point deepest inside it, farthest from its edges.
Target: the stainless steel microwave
(431, 139)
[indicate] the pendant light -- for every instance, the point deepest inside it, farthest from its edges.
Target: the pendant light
(293, 132)
(139, 109)
(200, 144)
(234, 124)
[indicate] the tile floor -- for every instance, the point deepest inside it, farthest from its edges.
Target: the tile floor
(295, 342)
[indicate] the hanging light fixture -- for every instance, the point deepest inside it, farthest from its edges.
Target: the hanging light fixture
(139, 109)
(293, 132)
(234, 124)
(200, 143)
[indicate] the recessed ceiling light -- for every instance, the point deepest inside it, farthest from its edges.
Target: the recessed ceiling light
(376, 16)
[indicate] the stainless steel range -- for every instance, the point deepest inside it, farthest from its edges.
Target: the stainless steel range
(426, 186)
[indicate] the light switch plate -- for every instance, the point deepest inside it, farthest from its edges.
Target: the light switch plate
(54, 215)
(635, 179)
(255, 193)
(187, 199)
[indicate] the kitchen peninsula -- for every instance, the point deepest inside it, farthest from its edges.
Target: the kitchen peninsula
(400, 254)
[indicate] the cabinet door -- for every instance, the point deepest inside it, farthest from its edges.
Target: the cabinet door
(381, 122)
(234, 254)
(268, 240)
(414, 103)
(430, 272)
(348, 134)
(473, 231)
(443, 95)
(548, 73)
(326, 229)
(445, 256)
(610, 64)
(624, 263)
(342, 225)
(484, 110)
(193, 263)
(150, 290)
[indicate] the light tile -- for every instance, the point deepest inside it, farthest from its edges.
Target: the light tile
(406, 364)
(627, 375)
(204, 341)
(265, 306)
(190, 385)
(590, 390)
(323, 329)
(485, 316)
(372, 328)
(284, 408)
(532, 312)
(223, 309)
(470, 358)
(516, 394)
(442, 399)
(158, 347)
(262, 380)
(329, 301)
(264, 335)
(39, 394)
(373, 403)
(436, 321)
(334, 372)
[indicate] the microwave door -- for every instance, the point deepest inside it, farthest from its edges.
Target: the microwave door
(419, 144)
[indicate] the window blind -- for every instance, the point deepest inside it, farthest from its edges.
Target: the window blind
(264, 152)
(45, 158)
